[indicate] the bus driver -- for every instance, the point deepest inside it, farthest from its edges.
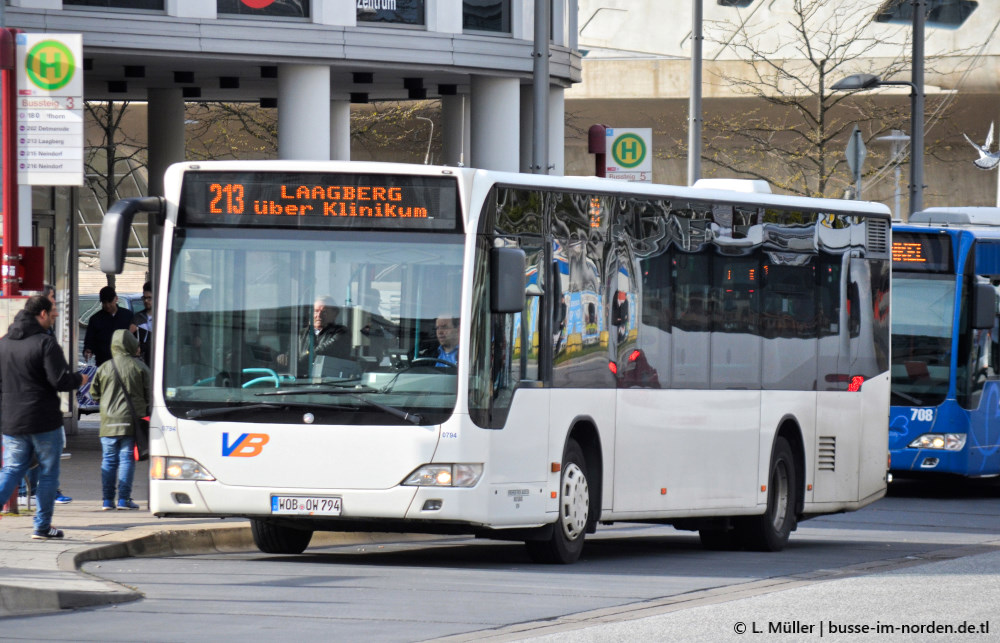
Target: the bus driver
(324, 338)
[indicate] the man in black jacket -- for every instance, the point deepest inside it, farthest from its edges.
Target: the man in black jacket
(324, 338)
(103, 324)
(32, 371)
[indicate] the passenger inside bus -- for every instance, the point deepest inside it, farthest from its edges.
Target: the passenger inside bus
(196, 325)
(379, 335)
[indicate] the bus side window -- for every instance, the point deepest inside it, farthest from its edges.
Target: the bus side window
(527, 323)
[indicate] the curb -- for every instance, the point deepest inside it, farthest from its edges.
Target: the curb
(29, 600)
(179, 542)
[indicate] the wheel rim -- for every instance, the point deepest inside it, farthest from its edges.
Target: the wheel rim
(575, 501)
(779, 485)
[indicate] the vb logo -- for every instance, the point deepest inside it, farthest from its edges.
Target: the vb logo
(246, 445)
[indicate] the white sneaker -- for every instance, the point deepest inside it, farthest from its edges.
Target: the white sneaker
(22, 501)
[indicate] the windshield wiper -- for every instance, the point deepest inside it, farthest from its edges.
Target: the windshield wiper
(224, 410)
(356, 393)
(406, 416)
(330, 389)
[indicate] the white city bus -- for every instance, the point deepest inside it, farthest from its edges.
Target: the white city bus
(715, 360)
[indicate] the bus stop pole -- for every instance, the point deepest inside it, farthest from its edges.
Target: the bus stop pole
(8, 80)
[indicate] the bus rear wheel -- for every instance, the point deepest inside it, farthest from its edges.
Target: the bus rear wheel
(279, 539)
(566, 542)
(770, 530)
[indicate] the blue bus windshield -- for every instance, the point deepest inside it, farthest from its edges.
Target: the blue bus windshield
(922, 317)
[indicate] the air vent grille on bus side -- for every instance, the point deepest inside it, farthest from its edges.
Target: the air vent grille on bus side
(878, 237)
(827, 460)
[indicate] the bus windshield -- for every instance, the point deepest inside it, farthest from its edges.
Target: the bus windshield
(923, 310)
(333, 327)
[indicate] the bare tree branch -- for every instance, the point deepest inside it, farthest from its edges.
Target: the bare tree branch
(797, 142)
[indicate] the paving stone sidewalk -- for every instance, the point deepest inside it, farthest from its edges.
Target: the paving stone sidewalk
(41, 576)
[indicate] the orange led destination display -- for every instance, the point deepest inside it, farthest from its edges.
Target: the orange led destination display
(319, 200)
(908, 252)
(916, 252)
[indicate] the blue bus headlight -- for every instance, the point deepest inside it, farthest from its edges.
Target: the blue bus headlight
(445, 475)
(942, 441)
(164, 468)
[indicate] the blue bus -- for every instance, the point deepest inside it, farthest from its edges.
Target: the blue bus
(945, 403)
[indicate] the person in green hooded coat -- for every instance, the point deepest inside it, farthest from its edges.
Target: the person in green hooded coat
(117, 420)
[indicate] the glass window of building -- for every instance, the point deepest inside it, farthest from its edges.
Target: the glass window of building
(400, 12)
(944, 14)
(155, 5)
(284, 8)
(486, 15)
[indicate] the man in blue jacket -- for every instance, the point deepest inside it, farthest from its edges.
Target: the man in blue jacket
(33, 370)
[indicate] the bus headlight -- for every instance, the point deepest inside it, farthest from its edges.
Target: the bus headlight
(164, 468)
(445, 475)
(942, 441)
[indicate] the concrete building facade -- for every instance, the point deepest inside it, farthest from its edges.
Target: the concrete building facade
(311, 60)
(637, 73)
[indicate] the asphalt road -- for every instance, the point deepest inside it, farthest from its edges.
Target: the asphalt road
(478, 590)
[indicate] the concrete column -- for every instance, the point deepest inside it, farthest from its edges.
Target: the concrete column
(573, 25)
(191, 9)
(456, 124)
(557, 130)
(444, 16)
(527, 126)
(338, 13)
(557, 127)
(558, 21)
(38, 4)
(340, 130)
(522, 19)
(304, 112)
(165, 132)
(495, 123)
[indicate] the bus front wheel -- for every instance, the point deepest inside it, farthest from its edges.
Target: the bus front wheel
(566, 542)
(770, 530)
(278, 539)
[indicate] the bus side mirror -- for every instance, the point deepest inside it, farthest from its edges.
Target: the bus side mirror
(507, 280)
(115, 229)
(984, 310)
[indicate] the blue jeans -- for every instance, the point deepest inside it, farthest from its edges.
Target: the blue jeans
(17, 452)
(117, 463)
(31, 485)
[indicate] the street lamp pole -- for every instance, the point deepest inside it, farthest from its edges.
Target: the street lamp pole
(694, 103)
(540, 86)
(916, 84)
(917, 117)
